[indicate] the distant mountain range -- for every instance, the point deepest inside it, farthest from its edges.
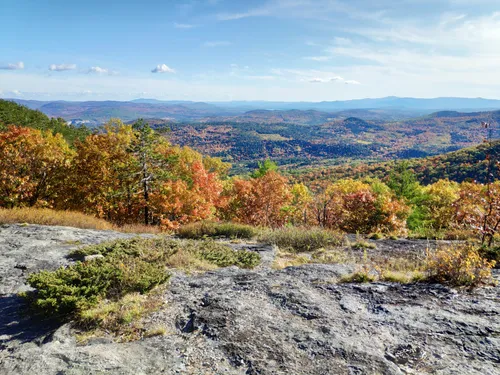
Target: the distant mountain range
(391, 102)
(390, 108)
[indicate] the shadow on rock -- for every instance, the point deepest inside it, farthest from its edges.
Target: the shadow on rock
(16, 324)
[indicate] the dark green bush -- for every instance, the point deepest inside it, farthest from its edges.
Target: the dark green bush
(127, 266)
(156, 249)
(213, 229)
(82, 285)
(302, 239)
(223, 256)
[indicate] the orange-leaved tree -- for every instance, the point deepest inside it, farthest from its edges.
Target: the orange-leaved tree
(263, 200)
(478, 208)
(189, 193)
(360, 206)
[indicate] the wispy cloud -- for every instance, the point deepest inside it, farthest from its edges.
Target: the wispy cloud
(334, 79)
(259, 78)
(312, 76)
(308, 9)
(250, 13)
(101, 71)
(162, 68)
(61, 67)
(318, 58)
(183, 25)
(217, 43)
(14, 66)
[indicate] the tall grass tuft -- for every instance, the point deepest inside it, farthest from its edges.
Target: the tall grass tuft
(298, 240)
(204, 229)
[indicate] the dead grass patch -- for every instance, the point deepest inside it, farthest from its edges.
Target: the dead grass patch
(75, 219)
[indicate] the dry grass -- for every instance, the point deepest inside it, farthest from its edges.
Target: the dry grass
(158, 330)
(206, 229)
(123, 318)
(286, 259)
(402, 277)
(47, 216)
(299, 240)
(138, 228)
(189, 262)
(322, 256)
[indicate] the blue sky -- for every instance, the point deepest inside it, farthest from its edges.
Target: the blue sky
(218, 50)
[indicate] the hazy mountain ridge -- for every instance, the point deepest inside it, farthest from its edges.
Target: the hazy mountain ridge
(388, 108)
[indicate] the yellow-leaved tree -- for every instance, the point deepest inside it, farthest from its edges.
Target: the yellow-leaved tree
(33, 167)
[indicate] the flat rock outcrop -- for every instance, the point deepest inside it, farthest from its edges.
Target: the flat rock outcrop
(298, 320)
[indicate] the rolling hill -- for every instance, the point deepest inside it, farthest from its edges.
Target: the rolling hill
(468, 164)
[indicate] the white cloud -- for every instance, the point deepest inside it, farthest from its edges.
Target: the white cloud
(333, 79)
(101, 71)
(14, 66)
(217, 43)
(318, 80)
(183, 25)
(98, 70)
(162, 68)
(61, 67)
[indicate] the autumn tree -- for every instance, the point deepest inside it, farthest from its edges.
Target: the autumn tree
(478, 208)
(489, 221)
(302, 198)
(33, 165)
(357, 206)
(104, 177)
(259, 201)
(437, 204)
(189, 192)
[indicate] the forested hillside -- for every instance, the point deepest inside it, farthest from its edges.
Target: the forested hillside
(15, 114)
(468, 164)
(299, 139)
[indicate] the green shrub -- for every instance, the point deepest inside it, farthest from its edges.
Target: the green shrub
(127, 266)
(302, 239)
(82, 285)
(154, 249)
(212, 229)
(223, 256)
(376, 236)
(358, 277)
(361, 244)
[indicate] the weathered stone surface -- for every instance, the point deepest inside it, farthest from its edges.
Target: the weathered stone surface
(291, 321)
